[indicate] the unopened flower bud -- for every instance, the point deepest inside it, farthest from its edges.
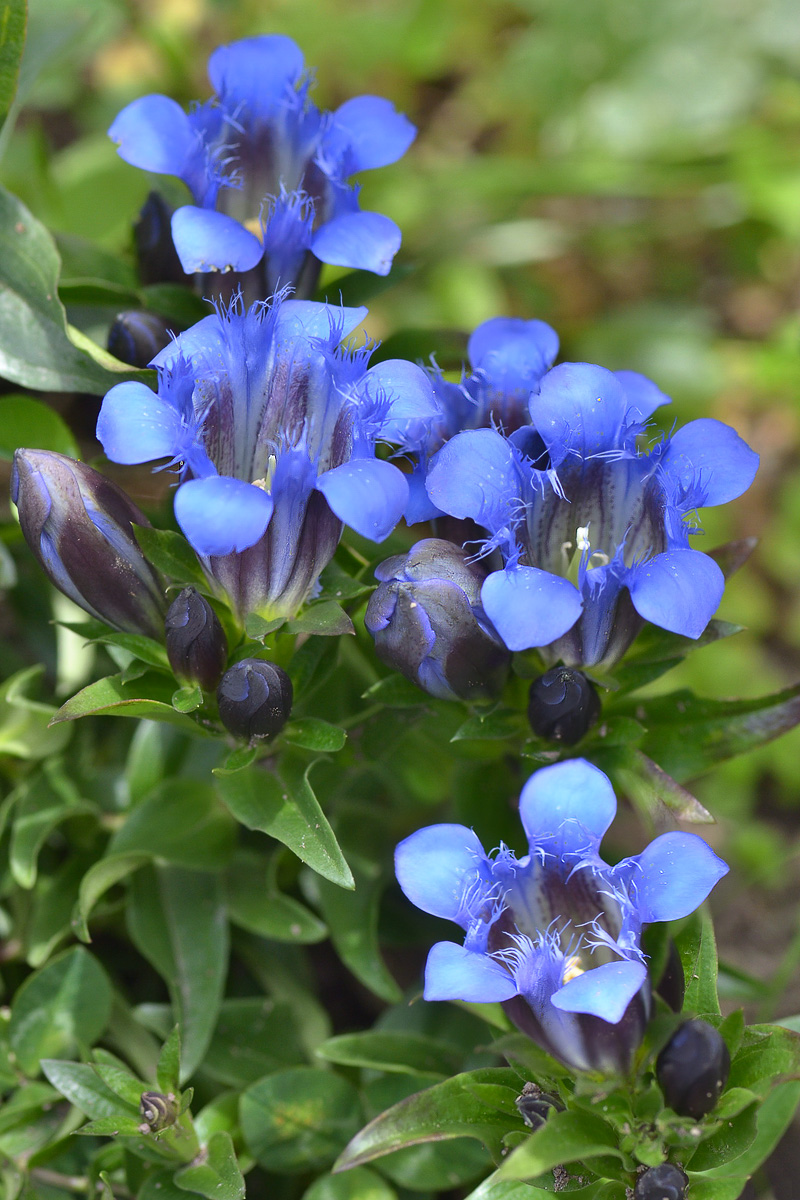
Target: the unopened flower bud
(137, 337)
(428, 623)
(255, 699)
(562, 705)
(79, 526)
(534, 1105)
(664, 1182)
(693, 1069)
(158, 1111)
(155, 250)
(197, 648)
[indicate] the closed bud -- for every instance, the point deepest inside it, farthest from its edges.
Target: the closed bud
(664, 1182)
(534, 1105)
(137, 337)
(562, 705)
(693, 1069)
(158, 1111)
(79, 526)
(255, 699)
(428, 623)
(156, 255)
(197, 648)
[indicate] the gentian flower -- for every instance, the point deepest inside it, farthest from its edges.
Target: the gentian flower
(267, 170)
(593, 530)
(555, 935)
(272, 424)
(508, 357)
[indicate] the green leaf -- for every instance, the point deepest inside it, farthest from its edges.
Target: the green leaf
(114, 697)
(494, 1188)
(655, 792)
(37, 348)
(325, 617)
(358, 1184)
(285, 807)
(687, 735)
(24, 723)
(170, 553)
(502, 723)
(406, 1053)
(29, 422)
(297, 1120)
(395, 692)
(81, 1085)
(698, 951)
(98, 879)
(145, 648)
(168, 1070)
(13, 20)
(767, 1053)
(177, 921)
(218, 1177)
(477, 1104)
(657, 651)
(40, 809)
(255, 904)
(311, 733)
(187, 699)
(61, 1009)
(772, 1119)
(565, 1137)
(182, 822)
(121, 1082)
(112, 1127)
(253, 1037)
(728, 1143)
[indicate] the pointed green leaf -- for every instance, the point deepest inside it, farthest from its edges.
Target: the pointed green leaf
(79, 1084)
(359, 1184)
(40, 810)
(297, 1120)
(29, 422)
(698, 951)
(565, 1137)
(171, 554)
(407, 1053)
(112, 1127)
(311, 733)
(98, 879)
(13, 20)
(113, 696)
(182, 822)
(255, 904)
(60, 1009)
(218, 1176)
(325, 617)
(168, 1071)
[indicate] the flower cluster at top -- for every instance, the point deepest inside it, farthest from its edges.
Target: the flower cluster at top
(272, 424)
(555, 935)
(550, 471)
(267, 170)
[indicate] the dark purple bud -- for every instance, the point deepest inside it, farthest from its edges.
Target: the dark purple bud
(428, 623)
(693, 1069)
(79, 526)
(137, 337)
(664, 1182)
(155, 250)
(197, 648)
(255, 699)
(534, 1105)
(562, 705)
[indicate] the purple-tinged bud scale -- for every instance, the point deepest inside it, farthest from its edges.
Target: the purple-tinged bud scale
(197, 648)
(255, 699)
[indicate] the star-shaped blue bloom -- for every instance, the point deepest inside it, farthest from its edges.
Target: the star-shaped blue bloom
(268, 171)
(555, 935)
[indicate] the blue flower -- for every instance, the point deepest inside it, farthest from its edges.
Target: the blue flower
(268, 171)
(555, 935)
(273, 425)
(508, 357)
(593, 529)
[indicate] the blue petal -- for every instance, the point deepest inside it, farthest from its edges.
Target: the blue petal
(435, 866)
(580, 406)
(256, 72)
(137, 426)
(370, 131)
(408, 391)
(420, 507)
(203, 342)
(474, 475)
(713, 453)
(368, 494)
(676, 873)
(603, 991)
(529, 607)
(455, 973)
(211, 241)
(679, 590)
(154, 133)
(571, 791)
(367, 241)
(511, 352)
(642, 395)
(220, 515)
(310, 319)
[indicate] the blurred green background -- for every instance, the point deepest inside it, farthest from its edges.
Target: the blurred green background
(628, 171)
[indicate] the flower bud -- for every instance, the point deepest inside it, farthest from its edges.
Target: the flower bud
(78, 525)
(197, 648)
(562, 705)
(255, 699)
(428, 623)
(137, 337)
(155, 250)
(665, 1182)
(158, 1111)
(693, 1069)
(534, 1105)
